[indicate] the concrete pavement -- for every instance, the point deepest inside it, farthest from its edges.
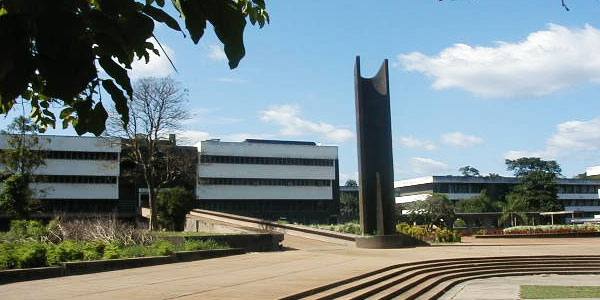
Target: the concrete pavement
(270, 275)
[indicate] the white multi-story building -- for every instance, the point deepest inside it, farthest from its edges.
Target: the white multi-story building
(79, 172)
(268, 178)
(581, 195)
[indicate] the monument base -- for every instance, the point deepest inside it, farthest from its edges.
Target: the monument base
(391, 241)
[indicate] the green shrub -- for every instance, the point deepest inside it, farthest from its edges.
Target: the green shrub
(65, 251)
(93, 250)
(7, 259)
(26, 230)
(193, 245)
(172, 205)
(446, 236)
(421, 233)
(31, 255)
(460, 223)
(135, 251)
(162, 247)
(112, 251)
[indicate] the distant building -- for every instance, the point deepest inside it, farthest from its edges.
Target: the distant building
(297, 181)
(581, 195)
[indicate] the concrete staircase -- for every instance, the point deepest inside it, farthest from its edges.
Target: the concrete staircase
(431, 279)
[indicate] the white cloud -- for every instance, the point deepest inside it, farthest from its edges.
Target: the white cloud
(570, 137)
(460, 140)
(288, 117)
(216, 52)
(427, 166)
(231, 80)
(412, 142)
(157, 66)
(546, 61)
(192, 137)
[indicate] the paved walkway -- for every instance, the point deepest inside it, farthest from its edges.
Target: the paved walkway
(271, 275)
(505, 288)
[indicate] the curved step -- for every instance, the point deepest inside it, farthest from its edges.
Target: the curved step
(440, 290)
(411, 280)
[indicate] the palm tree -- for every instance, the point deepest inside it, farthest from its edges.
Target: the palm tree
(514, 209)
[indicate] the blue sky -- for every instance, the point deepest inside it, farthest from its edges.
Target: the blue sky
(472, 82)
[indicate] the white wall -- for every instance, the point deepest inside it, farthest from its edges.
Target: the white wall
(73, 143)
(265, 171)
(76, 191)
(267, 150)
(79, 167)
(241, 192)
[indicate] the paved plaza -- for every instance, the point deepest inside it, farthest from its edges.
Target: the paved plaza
(270, 275)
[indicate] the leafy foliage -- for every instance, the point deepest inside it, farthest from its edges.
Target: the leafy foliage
(172, 206)
(469, 171)
(51, 49)
(436, 210)
(209, 244)
(439, 235)
(537, 190)
(16, 199)
(478, 204)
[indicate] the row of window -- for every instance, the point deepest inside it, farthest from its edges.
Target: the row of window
(585, 202)
(75, 179)
(264, 181)
(265, 160)
(477, 188)
(79, 155)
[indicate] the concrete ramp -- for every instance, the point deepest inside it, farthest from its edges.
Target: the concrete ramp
(219, 222)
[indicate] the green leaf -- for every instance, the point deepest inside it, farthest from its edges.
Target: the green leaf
(229, 23)
(195, 19)
(116, 72)
(119, 99)
(160, 16)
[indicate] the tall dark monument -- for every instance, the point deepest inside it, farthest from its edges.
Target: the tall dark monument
(375, 162)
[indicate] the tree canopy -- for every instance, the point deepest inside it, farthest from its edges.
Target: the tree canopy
(527, 165)
(52, 50)
(469, 171)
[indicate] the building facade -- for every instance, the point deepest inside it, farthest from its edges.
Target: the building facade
(80, 174)
(581, 195)
(296, 181)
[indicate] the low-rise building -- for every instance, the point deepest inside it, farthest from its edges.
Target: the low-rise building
(581, 195)
(297, 181)
(79, 174)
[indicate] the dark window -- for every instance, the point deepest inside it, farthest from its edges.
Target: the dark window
(264, 181)
(75, 179)
(79, 155)
(264, 160)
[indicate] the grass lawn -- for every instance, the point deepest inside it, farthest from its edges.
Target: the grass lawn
(557, 291)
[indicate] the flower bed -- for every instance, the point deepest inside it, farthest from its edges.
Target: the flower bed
(438, 235)
(352, 228)
(551, 229)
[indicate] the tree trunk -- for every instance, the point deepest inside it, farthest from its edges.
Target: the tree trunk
(152, 224)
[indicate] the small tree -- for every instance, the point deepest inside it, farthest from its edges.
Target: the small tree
(469, 171)
(349, 202)
(19, 160)
(172, 205)
(436, 210)
(478, 204)
(157, 109)
(537, 187)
